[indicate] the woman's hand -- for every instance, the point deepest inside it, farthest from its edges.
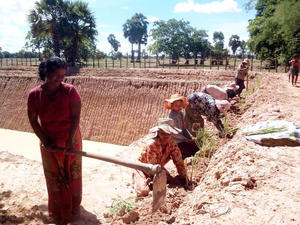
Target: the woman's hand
(48, 145)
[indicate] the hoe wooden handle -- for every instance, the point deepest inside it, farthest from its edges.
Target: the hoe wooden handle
(147, 168)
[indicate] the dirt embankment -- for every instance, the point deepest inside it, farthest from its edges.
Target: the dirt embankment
(118, 106)
(250, 184)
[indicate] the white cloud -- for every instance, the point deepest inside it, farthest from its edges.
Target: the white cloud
(13, 39)
(13, 23)
(15, 11)
(124, 7)
(152, 19)
(208, 8)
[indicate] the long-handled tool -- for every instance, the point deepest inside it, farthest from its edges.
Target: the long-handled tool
(159, 180)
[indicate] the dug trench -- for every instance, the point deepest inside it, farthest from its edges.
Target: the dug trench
(138, 211)
(109, 114)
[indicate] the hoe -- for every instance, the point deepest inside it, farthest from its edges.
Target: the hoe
(159, 181)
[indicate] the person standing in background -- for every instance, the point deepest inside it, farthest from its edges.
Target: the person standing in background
(294, 69)
(241, 75)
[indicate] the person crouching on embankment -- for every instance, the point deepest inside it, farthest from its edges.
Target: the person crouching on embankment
(294, 70)
(185, 141)
(58, 106)
(240, 76)
(201, 104)
(221, 93)
(160, 150)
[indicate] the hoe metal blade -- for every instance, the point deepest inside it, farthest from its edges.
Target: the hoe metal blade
(159, 190)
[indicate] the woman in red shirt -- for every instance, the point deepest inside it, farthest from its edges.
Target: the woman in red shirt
(58, 105)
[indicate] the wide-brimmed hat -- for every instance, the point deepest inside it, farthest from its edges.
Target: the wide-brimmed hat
(166, 125)
(175, 97)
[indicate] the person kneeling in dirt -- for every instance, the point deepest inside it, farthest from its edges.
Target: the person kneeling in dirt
(221, 93)
(160, 150)
(185, 141)
(202, 104)
(240, 76)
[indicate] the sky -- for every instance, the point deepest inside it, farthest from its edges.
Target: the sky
(228, 16)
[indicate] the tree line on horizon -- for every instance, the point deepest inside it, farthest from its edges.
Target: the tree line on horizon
(68, 29)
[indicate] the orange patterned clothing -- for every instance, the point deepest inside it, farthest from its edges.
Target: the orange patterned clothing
(154, 153)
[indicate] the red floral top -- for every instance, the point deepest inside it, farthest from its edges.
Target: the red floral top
(154, 153)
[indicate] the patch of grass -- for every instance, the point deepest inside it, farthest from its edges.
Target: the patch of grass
(268, 130)
(206, 143)
(250, 91)
(121, 206)
(228, 132)
(194, 164)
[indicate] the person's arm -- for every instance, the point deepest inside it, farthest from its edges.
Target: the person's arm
(219, 125)
(187, 134)
(185, 131)
(177, 118)
(33, 119)
(75, 118)
(213, 114)
(247, 80)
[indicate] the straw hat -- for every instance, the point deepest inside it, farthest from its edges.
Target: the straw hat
(166, 125)
(173, 98)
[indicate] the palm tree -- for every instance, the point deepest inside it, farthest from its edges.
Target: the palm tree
(218, 38)
(243, 47)
(115, 44)
(234, 43)
(79, 26)
(135, 29)
(45, 18)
